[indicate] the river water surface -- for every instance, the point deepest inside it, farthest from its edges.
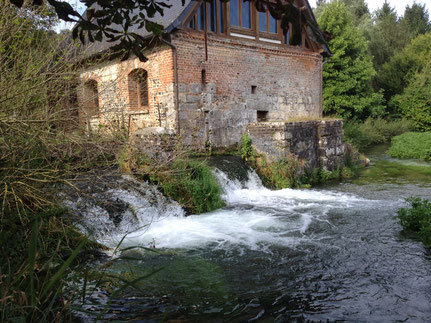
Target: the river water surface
(334, 253)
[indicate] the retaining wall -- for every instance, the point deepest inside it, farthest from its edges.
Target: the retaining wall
(318, 143)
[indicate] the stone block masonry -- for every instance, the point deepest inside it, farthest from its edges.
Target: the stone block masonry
(115, 98)
(242, 82)
(319, 143)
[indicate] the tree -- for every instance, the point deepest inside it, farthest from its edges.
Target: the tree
(384, 39)
(395, 74)
(358, 8)
(415, 21)
(415, 102)
(347, 90)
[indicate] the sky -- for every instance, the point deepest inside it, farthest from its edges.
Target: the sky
(399, 5)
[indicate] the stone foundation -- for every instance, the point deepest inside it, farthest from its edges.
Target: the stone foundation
(156, 143)
(318, 143)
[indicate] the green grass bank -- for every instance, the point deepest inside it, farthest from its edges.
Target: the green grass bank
(415, 145)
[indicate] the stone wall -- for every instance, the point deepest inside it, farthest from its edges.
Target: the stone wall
(242, 81)
(319, 143)
(114, 101)
(157, 143)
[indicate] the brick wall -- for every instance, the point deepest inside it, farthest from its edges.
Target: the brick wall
(116, 104)
(241, 78)
(242, 81)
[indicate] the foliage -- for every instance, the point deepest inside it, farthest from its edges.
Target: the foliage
(290, 172)
(193, 185)
(39, 153)
(283, 173)
(38, 150)
(36, 260)
(411, 145)
(417, 219)
(384, 40)
(374, 131)
(414, 22)
(347, 90)
(415, 102)
(395, 74)
(245, 148)
(187, 181)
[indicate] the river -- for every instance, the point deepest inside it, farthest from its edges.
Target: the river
(333, 253)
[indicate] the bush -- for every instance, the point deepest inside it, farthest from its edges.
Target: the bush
(283, 173)
(193, 185)
(374, 131)
(411, 145)
(246, 150)
(416, 220)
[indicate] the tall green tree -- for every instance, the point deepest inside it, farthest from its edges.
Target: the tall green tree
(415, 102)
(384, 39)
(396, 74)
(415, 22)
(347, 90)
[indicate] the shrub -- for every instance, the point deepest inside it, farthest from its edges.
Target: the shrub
(416, 220)
(411, 145)
(193, 185)
(374, 131)
(246, 150)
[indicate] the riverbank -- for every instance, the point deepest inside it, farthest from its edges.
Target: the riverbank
(317, 254)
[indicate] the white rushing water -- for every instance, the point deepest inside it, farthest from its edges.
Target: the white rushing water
(255, 217)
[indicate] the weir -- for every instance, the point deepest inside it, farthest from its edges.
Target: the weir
(280, 256)
(255, 217)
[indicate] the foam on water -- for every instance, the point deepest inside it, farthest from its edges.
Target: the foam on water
(255, 217)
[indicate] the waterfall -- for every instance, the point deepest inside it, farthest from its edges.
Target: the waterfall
(255, 217)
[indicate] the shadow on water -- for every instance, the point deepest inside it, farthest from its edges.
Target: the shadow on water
(330, 254)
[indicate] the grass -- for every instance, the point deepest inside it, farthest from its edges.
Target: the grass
(192, 184)
(415, 145)
(416, 220)
(187, 180)
(37, 257)
(374, 131)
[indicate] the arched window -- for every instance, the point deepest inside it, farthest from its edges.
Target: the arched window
(91, 97)
(138, 89)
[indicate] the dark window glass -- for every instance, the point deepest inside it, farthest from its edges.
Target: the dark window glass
(138, 89)
(262, 21)
(92, 97)
(213, 16)
(246, 15)
(201, 17)
(272, 24)
(221, 17)
(287, 37)
(192, 23)
(234, 17)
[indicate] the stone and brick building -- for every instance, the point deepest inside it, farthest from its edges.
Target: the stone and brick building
(220, 68)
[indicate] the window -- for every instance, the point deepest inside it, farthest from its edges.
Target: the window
(267, 23)
(240, 14)
(241, 18)
(138, 89)
(91, 94)
(201, 17)
(262, 116)
(210, 15)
